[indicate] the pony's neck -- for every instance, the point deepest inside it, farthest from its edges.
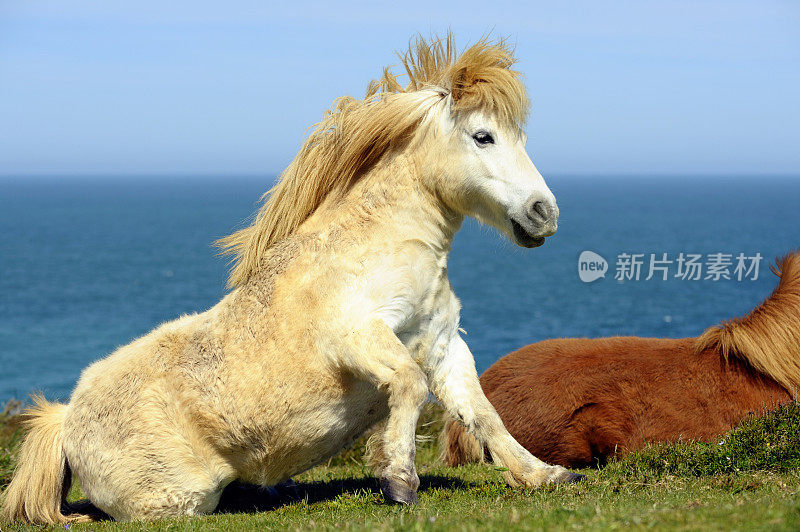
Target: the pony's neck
(392, 203)
(769, 337)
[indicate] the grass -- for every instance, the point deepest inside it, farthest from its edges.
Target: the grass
(9, 439)
(747, 481)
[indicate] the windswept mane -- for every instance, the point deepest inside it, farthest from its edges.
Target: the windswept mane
(769, 337)
(355, 134)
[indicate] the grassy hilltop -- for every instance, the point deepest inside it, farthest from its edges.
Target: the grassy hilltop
(749, 480)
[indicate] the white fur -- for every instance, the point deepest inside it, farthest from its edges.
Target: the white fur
(349, 320)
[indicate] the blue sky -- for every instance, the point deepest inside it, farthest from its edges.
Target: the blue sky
(154, 87)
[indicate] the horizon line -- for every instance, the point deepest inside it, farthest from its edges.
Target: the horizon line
(273, 175)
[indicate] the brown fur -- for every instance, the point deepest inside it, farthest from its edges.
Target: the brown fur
(576, 401)
(769, 337)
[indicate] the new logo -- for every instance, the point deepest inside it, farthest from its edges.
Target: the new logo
(591, 266)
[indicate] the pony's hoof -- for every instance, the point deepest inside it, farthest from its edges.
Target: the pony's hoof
(398, 492)
(568, 477)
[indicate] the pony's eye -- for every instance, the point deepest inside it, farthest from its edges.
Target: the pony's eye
(482, 138)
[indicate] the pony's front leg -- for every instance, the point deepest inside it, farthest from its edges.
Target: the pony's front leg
(454, 382)
(375, 354)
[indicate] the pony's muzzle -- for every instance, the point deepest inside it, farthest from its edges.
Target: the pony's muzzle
(542, 213)
(535, 220)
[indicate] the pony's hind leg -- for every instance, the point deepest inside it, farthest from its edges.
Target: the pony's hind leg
(158, 492)
(159, 473)
(174, 502)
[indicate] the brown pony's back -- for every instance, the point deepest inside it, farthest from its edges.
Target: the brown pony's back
(576, 402)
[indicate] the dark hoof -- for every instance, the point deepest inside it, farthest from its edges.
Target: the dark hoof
(396, 491)
(570, 478)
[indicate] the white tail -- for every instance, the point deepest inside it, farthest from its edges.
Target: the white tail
(41, 480)
(458, 446)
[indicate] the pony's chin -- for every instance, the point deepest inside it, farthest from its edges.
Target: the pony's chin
(525, 239)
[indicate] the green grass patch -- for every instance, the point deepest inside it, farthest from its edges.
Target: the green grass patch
(767, 443)
(10, 437)
(749, 480)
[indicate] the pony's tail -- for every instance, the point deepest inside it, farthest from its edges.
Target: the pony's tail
(41, 480)
(459, 446)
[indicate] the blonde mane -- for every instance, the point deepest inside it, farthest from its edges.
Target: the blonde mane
(769, 337)
(355, 134)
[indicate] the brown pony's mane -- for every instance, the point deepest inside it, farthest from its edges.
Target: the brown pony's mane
(355, 134)
(768, 338)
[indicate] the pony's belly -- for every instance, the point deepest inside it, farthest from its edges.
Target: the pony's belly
(314, 435)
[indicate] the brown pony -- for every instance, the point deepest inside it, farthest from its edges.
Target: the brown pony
(576, 401)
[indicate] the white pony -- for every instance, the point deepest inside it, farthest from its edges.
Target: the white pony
(341, 314)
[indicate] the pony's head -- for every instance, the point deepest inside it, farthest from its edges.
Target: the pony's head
(488, 175)
(481, 168)
(460, 118)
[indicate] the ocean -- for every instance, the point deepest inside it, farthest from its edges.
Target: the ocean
(88, 264)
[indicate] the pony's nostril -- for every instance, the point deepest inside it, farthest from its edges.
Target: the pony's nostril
(538, 213)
